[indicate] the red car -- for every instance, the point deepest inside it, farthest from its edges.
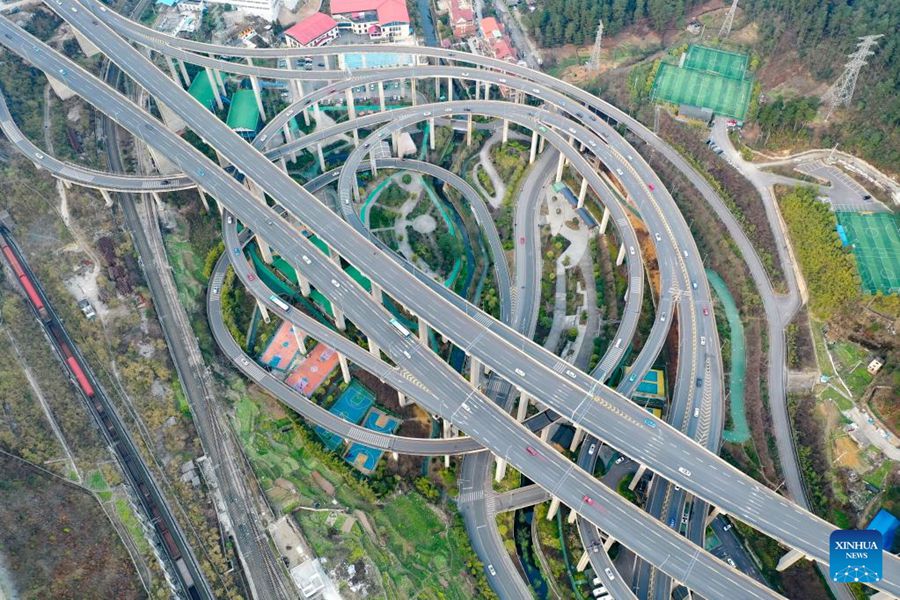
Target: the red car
(589, 500)
(532, 451)
(705, 311)
(522, 240)
(251, 277)
(651, 186)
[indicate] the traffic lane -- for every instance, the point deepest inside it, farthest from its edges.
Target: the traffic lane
(225, 141)
(732, 548)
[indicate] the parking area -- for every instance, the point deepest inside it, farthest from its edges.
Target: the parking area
(846, 194)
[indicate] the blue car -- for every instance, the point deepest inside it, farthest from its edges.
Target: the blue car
(236, 251)
(632, 377)
(650, 423)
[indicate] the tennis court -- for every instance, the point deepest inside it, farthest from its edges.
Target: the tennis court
(282, 349)
(363, 457)
(724, 96)
(718, 62)
(313, 370)
(875, 240)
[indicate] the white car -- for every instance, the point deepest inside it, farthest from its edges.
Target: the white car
(335, 283)
(520, 372)
(609, 574)
(619, 171)
(684, 471)
(427, 113)
(658, 237)
(491, 570)
(592, 143)
(702, 340)
(306, 259)
(620, 460)
(630, 157)
(570, 373)
(39, 155)
(591, 449)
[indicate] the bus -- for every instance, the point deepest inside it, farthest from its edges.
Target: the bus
(403, 330)
(280, 303)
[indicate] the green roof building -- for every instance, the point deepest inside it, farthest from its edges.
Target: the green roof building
(243, 115)
(202, 90)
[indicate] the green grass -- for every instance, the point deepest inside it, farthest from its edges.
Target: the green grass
(851, 362)
(878, 476)
(815, 328)
(724, 96)
(876, 243)
(832, 394)
(128, 518)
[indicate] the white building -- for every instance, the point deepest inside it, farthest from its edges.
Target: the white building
(267, 9)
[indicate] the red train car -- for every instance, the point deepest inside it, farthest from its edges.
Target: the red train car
(83, 382)
(13, 261)
(33, 296)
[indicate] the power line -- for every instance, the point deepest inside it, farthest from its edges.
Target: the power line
(729, 21)
(841, 92)
(594, 62)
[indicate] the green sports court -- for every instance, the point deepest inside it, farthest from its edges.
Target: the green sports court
(875, 240)
(709, 78)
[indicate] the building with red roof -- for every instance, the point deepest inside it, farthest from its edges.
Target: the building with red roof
(491, 28)
(379, 19)
(496, 40)
(462, 18)
(316, 30)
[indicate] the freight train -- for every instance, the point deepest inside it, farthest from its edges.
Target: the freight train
(136, 472)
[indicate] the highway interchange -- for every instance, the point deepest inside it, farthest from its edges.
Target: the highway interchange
(577, 397)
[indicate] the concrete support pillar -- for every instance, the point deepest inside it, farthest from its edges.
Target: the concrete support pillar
(576, 439)
(381, 96)
(582, 193)
(373, 167)
(431, 134)
(158, 200)
(505, 131)
(437, 88)
(789, 559)
(523, 407)
(620, 257)
(449, 89)
(607, 544)
(172, 71)
(339, 317)
(395, 143)
(541, 145)
(345, 368)
(560, 165)
(282, 162)
(583, 562)
(203, 199)
(254, 83)
(545, 434)
(300, 339)
(263, 310)
(317, 114)
(554, 506)
(394, 456)
(374, 348)
(351, 113)
(412, 91)
(469, 130)
(715, 512)
(321, 154)
(220, 81)
(500, 472)
(304, 283)
(448, 432)
(604, 221)
(533, 152)
(377, 293)
(423, 331)
(573, 514)
(184, 73)
(215, 87)
(402, 399)
(637, 477)
(106, 197)
(474, 371)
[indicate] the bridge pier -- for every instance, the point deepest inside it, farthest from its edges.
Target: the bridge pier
(474, 371)
(541, 144)
(554, 506)
(545, 433)
(469, 129)
(789, 559)
(604, 221)
(372, 166)
(620, 257)
(532, 153)
(264, 251)
(583, 562)
(449, 89)
(523, 406)
(339, 317)
(505, 131)
(107, 198)
(157, 199)
(220, 81)
(377, 292)
(351, 113)
(500, 472)
(560, 165)
(715, 512)
(637, 477)
(345, 368)
(374, 348)
(215, 87)
(582, 193)
(573, 514)
(170, 62)
(184, 72)
(303, 281)
(381, 102)
(423, 331)
(448, 433)
(203, 199)
(608, 542)
(254, 83)
(263, 311)
(412, 90)
(576, 439)
(321, 155)
(300, 339)
(402, 399)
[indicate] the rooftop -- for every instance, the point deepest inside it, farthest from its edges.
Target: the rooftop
(490, 27)
(389, 11)
(312, 27)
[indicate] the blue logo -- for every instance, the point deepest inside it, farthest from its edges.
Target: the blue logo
(856, 555)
